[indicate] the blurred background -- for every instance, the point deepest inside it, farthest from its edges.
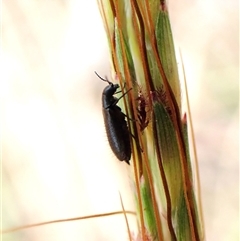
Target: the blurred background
(56, 161)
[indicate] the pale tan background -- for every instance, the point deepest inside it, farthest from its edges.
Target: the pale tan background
(56, 162)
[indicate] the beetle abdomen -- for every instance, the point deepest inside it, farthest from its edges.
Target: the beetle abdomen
(117, 132)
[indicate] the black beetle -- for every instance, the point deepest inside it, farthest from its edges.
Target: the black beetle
(115, 124)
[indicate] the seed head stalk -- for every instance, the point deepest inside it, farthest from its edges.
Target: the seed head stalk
(143, 58)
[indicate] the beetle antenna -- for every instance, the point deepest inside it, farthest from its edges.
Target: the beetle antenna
(106, 80)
